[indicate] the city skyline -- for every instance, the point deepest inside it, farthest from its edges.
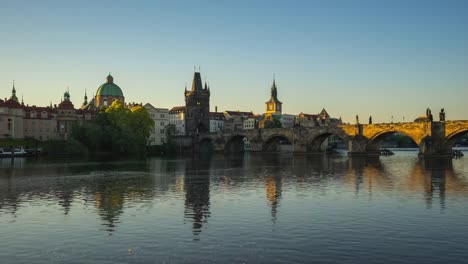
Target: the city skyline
(349, 59)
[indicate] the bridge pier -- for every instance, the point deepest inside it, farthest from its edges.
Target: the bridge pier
(357, 146)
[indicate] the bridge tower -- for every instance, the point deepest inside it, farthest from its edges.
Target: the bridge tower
(197, 103)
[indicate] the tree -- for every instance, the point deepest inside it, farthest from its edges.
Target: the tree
(170, 143)
(273, 123)
(116, 129)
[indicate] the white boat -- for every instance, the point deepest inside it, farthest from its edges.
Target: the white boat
(15, 152)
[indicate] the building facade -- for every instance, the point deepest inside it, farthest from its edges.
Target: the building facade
(177, 118)
(235, 120)
(217, 121)
(251, 123)
(160, 117)
(18, 121)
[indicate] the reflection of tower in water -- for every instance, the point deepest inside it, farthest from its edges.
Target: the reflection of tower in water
(436, 176)
(197, 192)
(110, 206)
(273, 194)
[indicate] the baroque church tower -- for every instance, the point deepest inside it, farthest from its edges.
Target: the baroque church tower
(197, 104)
(273, 106)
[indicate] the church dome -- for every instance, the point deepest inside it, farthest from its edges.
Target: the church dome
(109, 88)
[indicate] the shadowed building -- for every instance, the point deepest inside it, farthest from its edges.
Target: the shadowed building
(197, 103)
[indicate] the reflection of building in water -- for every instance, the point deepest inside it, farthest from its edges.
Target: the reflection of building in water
(110, 204)
(367, 174)
(273, 194)
(197, 193)
(65, 199)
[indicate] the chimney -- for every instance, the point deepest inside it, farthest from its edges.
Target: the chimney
(216, 109)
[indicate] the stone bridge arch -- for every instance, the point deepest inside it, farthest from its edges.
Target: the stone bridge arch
(454, 130)
(235, 143)
(314, 141)
(274, 141)
(419, 132)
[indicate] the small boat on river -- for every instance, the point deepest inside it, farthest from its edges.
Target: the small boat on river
(386, 152)
(457, 153)
(13, 152)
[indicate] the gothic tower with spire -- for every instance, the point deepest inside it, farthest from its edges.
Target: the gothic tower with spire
(274, 106)
(13, 93)
(197, 103)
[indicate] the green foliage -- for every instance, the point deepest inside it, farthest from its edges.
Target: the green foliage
(170, 144)
(400, 140)
(116, 129)
(273, 123)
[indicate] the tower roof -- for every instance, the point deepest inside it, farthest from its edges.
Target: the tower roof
(274, 94)
(197, 82)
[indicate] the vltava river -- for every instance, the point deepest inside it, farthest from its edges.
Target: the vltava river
(275, 208)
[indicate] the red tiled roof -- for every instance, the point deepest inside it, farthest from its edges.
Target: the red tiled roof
(308, 116)
(38, 110)
(238, 113)
(217, 116)
(177, 109)
(10, 103)
(66, 105)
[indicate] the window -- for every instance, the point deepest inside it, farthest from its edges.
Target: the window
(161, 131)
(162, 115)
(162, 123)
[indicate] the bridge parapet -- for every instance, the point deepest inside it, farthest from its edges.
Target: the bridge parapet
(433, 138)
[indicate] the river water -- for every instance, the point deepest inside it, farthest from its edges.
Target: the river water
(256, 208)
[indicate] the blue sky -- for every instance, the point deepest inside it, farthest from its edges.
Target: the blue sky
(379, 58)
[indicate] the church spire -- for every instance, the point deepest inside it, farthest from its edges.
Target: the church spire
(85, 98)
(13, 93)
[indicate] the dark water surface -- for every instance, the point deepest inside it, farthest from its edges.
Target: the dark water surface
(275, 208)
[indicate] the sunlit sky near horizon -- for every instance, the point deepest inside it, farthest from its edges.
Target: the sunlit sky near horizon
(379, 58)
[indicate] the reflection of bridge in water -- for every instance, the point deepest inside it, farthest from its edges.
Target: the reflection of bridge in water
(112, 192)
(432, 138)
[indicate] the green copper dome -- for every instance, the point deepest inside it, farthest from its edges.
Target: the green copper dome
(109, 88)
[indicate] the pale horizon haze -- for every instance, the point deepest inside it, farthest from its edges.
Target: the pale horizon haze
(379, 58)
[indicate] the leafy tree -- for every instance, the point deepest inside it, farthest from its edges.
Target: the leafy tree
(170, 143)
(273, 123)
(116, 129)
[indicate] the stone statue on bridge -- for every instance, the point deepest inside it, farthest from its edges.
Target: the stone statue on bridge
(442, 115)
(370, 120)
(429, 114)
(357, 120)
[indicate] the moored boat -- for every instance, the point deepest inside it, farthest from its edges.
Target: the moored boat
(12, 152)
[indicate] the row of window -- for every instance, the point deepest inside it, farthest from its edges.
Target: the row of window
(160, 116)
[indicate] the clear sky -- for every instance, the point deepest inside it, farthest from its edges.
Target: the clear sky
(379, 58)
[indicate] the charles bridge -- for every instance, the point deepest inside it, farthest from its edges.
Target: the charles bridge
(433, 138)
